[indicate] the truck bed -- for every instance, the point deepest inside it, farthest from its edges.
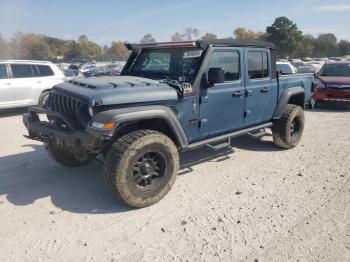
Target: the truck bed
(303, 80)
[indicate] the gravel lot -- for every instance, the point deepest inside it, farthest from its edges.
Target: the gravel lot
(252, 202)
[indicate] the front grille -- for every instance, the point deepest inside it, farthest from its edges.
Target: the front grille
(75, 110)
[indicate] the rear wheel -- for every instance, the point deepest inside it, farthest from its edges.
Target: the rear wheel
(64, 157)
(287, 131)
(141, 167)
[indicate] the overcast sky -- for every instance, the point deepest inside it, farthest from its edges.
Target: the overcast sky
(106, 20)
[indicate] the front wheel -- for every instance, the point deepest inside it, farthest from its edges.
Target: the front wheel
(141, 167)
(43, 98)
(287, 131)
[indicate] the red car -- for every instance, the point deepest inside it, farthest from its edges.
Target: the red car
(333, 82)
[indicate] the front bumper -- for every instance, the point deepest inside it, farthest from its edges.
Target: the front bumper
(45, 131)
(325, 94)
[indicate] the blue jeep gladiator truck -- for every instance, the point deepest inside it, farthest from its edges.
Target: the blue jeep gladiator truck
(170, 97)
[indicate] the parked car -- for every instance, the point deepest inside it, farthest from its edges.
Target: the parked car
(73, 67)
(109, 70)
(286, 68)
(308, 68)
(84, 68)
(202, 93)
(26, 82)
(333, 82)
(71, 74)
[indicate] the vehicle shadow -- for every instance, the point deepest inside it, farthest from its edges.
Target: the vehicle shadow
(30, 176)
(250, 143)
(330, 107)
(13, 112)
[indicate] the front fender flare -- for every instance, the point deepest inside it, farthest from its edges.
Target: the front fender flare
(125, 115)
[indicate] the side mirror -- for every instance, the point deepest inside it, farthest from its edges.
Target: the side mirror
(216, 75)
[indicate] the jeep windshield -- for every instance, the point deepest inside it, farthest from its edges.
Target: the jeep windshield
(180, 64)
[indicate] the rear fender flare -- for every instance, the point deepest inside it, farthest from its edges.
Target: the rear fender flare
(286, 97)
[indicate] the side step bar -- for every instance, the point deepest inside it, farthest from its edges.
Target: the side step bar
(258, 134)
(222, 145)
(227, 137)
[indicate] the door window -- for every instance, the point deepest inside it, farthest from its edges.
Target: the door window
(258, 66)
(45, 70)
(21, 71)
(229, 61)
(3, 71)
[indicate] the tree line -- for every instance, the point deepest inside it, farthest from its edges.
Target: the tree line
(290, 41)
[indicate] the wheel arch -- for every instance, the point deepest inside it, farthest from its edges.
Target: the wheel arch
(46, 90)
(293, 95)
(158, 118)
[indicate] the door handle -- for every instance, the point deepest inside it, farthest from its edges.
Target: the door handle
(238, 93)
(265, 90)
(7, 84)
(39, 82)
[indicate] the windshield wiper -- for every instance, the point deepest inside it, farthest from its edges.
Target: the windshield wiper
(173, 83)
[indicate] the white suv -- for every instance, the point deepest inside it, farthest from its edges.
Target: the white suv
(27, 82)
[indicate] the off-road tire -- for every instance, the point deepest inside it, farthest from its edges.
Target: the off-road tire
(120, 161)
(42, 97)
(281, 129)
(64, 157)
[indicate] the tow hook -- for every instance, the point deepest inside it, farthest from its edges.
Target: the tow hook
(45, 137)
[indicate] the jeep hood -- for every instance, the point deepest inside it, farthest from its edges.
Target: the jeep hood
(115, 90)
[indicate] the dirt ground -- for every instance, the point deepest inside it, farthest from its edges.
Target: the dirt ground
(252, 202)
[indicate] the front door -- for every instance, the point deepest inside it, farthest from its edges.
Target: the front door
(7, 97)
(222, 105)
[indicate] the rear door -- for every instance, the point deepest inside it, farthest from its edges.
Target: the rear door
(222, 105)
(7, 97)
(261, 94)
(24, 80)
(47, 79)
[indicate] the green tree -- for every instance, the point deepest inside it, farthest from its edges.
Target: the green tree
(285, 34)
(326, 45)
(209, 36)
(147, 38)
(344, 47)
(88, 48)
(30, 46)
(246, 34)
(118, 49)
(177, 37)
(57, 46)
(308, 47)
(73, 51)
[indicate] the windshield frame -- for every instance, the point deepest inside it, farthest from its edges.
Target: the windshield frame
(166, 74)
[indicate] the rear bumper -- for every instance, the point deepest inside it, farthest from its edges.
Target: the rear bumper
(45, 131)
(332, 95)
